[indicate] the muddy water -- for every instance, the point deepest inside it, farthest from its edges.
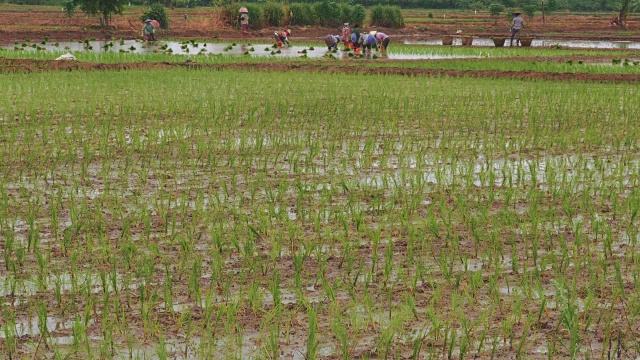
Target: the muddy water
(177, 48)
(591, 44)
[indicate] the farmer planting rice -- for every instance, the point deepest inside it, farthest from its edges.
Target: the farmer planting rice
(367, 41)
(355, 35)
(382, 41)
(332, 41)
(148, 30)
(346, 36)
(283, 37)
(516, 25)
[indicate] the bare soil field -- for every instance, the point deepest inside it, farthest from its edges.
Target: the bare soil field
(35, 22)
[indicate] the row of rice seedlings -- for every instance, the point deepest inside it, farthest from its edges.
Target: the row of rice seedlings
(226, 209)
(597, 66)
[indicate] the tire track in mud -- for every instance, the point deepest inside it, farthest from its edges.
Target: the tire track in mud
(29, 65)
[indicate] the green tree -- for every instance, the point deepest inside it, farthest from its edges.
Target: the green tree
(476, 5)
(547, 7)
(103, 8)
(495, 10)
(529, 11)
(69, 7)
(625, 8)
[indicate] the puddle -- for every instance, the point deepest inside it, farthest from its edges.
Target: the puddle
(188, 48)
(65, 283)
(31, 327)
(590, 44)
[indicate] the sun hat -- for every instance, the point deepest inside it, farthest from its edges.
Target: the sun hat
(516, 13)
(243, 10)
(373, 33)
(345, 25)
(148, 20)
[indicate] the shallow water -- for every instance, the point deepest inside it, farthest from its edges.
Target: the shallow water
(177, 48)
(592, 44)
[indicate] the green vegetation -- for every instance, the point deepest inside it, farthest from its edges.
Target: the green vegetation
(325, 13)
(157, 12)
(104, 9)
(387, 16)
(194, 213)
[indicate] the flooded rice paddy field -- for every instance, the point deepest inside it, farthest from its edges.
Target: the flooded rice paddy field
(586, 44)
(196, 213)
(227, 49)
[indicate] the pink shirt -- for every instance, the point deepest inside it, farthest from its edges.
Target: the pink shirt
(381, 36)
(346, 34)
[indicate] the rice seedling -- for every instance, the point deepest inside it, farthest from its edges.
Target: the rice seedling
(230, 218)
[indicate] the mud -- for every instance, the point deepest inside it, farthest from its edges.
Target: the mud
(25, 65)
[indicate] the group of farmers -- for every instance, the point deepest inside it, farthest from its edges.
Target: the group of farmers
(357, 39)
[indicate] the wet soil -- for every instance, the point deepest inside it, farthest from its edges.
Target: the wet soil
(27, 65)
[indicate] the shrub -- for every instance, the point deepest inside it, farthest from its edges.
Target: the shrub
(157, 12)
(256, 16)
(230, 14)
(69, 7)
(377, 14)
(430, 16)
(273, 13)
(476, 5)
(496, 9)
(303, 14)
(387, 16)
(358, 14)
(328, 13)
(345, 12)
(530, 11)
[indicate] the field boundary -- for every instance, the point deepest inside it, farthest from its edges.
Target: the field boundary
(8, 65)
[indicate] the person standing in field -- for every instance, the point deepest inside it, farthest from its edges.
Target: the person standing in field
(149, 31)
(244, 20)
(346, 36)
(516, 25)
(382, 40)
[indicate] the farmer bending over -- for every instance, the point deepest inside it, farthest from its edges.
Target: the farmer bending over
(283, 37)
(332, 41)
(516, 25)
(382, 41)
(148, 31)
(355, 36)
(367, 41)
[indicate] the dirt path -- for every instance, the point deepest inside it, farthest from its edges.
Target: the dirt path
(24, 65)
